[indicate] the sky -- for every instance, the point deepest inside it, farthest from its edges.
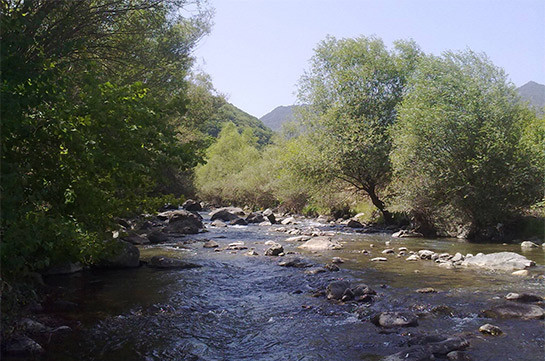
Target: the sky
(258, 49)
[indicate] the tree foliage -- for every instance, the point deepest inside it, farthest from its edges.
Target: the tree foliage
(91, 93)
(352, 89)
(460, 152)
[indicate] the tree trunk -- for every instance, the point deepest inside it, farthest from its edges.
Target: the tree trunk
(380, 205)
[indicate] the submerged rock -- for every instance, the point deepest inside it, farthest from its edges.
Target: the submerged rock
(210, 244)
(515, 310)
(321, 244)
(295, 262)
(505, 261)
(335, 290)
(167, 263)
(395, 319)
(218, 223)
(407, 234)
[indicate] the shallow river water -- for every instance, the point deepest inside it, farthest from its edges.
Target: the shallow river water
(239, 307)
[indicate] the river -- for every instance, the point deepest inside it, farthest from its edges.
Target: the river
(239, 307)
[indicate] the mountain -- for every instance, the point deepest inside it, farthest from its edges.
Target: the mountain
(230, 113)
(278, 116)
(534, 94)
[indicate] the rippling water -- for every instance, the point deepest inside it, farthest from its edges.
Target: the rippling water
(247, 308)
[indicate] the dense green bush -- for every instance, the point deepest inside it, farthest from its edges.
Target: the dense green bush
(460, 155)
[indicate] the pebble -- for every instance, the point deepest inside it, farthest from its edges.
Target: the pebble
(379, 259)
(490, 330)
(426, 290)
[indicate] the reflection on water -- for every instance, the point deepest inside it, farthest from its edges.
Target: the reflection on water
(247, 308)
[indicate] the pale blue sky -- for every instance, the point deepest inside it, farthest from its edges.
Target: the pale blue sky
(258, 49)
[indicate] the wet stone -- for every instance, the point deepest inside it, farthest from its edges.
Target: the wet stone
(490, 330)
(523, 297)
(210, 244)
(395, 319)
(426, 290)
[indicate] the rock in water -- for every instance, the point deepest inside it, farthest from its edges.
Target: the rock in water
(192, 206)
(528, 245)
(166, 262)
(218, 223)
(238, 222)
(321, 244)
(515, 310)
(336, 290)
(354, 224)
(417, 353)
(523, 297)
(182, 221)
(157, 237)
(123, 255)
(23, 346)
(504, 261)
(255, 217)
(226, 214)
(490, 330)
(211, 244)
(395, 319)
(274, 250)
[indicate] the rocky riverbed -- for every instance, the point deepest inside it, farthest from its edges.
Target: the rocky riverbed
(300, 290)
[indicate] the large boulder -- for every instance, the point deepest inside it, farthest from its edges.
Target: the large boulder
(238, 222)
(504, 261)
(192, 206)
(226, 214)
(135, 239)
(122, 255)
(62, 269)
(354, 224)
(269, 214)
(528, 245)
(515, 310)
(182, 221)
(321, 244)
(157, 236)
(22, 346)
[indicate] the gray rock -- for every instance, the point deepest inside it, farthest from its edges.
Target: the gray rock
(238, 222)
(122, 255)
(426, 290)
(379, 259)
(226, 214)
(295, 262)
(425, 254)
(505, 261)
(135, 239)
(33, 327)
(255, 217)
(528, 245)
(289, 220)
(450, 344)
(274, 250)
(457, 257)
(490, 330)
(298, 239)
(332, 267)
(388, 251)
(169, 263)
(22, 345)
(157, 236)
(335, 290)
(251, 253)
(210, 244)
(416, 353)
(218, 223)
(458, 356)
(315, 271)
(407, 234)
(182, 221)
(395, 319)
(523, 297)
(515, 310)
(192, 206)
(354, 224)
(268, 213)
(413, 258)
(337, 260)
(321, 244)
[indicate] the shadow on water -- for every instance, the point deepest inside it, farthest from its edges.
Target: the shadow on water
(238, 307)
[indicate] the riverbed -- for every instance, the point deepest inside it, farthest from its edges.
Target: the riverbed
(240, 307)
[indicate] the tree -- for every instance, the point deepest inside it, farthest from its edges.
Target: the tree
(91, 92)
(352, 90)
(459, 153)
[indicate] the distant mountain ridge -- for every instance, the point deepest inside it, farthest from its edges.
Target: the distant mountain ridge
(534, 94)
(278, 116)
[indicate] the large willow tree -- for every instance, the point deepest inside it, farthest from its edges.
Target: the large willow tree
(91, 92)
(467, 152)
(352, 90)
